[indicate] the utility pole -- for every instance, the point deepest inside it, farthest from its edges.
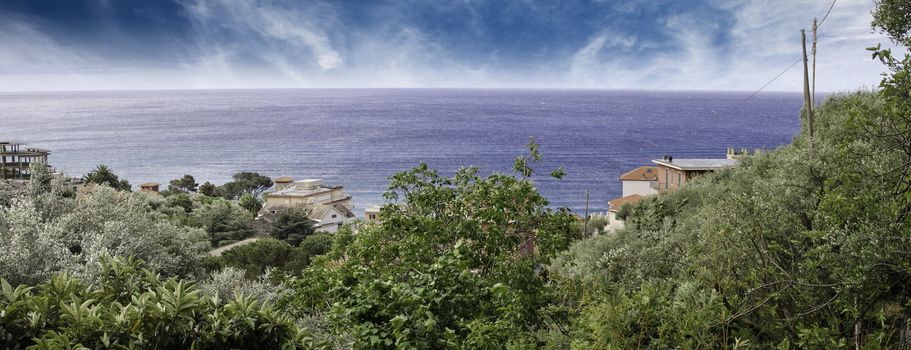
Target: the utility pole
(808, 105)
(585, 226)
(813, 89)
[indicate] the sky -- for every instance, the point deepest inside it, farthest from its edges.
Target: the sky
(591, 44)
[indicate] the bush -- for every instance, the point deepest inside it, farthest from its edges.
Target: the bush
(225, 221)
(47, 233)
(131, 307)
(316, 244)
(257, 257)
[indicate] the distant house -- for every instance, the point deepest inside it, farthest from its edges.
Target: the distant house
(329, 207)
(642, 181)
(674, 173)
(325, 218)
(149, 187)
(614, 206)
(310, 191)
(372, 213)
(668, 174)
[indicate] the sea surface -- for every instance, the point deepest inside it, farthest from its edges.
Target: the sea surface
(358, 138)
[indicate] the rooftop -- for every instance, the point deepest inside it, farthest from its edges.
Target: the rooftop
(616, 203)
(283, 179)
(643, 173)
(697, 164)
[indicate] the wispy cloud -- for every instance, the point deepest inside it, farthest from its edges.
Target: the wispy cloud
(704, 44)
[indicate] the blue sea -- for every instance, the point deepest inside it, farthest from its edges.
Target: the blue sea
(358, 138)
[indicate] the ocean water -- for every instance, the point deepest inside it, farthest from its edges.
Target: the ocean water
(358, 138)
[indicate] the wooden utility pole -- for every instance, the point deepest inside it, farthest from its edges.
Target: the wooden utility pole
(585, 226)
(813, 88)
(808, 105)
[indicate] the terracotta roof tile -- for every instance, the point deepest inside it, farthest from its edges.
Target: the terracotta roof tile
(643, 173)
(616, 203)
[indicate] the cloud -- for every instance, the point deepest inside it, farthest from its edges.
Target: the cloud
(280, 34)
(654, 44)
(26, 49)
(761, 39)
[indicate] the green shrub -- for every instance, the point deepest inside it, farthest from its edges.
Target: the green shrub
(131, 307)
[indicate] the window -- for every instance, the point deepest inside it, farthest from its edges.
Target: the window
(372, 216)
(666, 178)
(678, 180)
(333, 216)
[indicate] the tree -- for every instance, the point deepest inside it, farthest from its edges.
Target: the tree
(209, 189)
(103, 175)
(246, 182)
(893, 17)
(180, 200)
(186, 184)
(247, 201)
(48, 233)
(225, 221)
(452, 264)
(255, 258)
(292, 226)
(316, 244)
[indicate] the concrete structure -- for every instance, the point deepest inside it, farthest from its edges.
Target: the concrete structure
(329, 207)
(674, 173)
(372, 213)
(309, 191)
(149, 187)
(642, 181)
(735, 154)
(16, 161)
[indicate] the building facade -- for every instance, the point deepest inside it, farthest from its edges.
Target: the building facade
(329, 207)
(16, 160)
(642, 181)
(674, 173)
(309, 191)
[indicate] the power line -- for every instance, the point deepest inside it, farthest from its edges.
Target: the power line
(770, 82)
(827, 14)
(786, 69)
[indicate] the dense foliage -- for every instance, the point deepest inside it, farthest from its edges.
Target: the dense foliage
(292, 226)
(258, 257)
(132, 308)
(453, 264)
(805, 246)
(50, 230)
(103, 175)
(244, 182)
(185, 184)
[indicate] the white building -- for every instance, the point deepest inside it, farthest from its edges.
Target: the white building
(642, 181)
(325, 218)
(312, 191)
(329, 207)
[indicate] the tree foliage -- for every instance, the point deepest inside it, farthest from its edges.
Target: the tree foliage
(246, 182)
(185, 184)
(130, 307)
(786, 250)
(103, 175)
(292, 226)
(42, 233)
(452, 264)
(226, 222)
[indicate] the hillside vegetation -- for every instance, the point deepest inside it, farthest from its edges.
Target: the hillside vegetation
(805, 246)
